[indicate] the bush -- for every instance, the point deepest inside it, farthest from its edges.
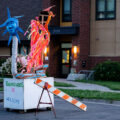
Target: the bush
(108, 70)
(2, 60)
(5, 68)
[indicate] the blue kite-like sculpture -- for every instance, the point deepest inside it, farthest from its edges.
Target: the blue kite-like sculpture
(12, 26)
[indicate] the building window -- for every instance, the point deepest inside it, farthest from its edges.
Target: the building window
(105, 9)
(66, 11)
(23, 50)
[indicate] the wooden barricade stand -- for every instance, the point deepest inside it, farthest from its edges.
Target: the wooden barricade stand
(45, 88)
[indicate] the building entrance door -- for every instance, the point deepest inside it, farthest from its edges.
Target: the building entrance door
(66, 61)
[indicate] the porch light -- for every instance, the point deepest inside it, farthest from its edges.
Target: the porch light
(75, 49)
(45, 51)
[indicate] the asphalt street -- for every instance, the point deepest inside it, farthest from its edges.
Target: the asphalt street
(66, 111)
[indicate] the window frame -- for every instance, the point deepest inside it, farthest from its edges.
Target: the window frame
(106, 12)
(63, 14)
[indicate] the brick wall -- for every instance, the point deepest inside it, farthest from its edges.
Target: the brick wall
(54, 53)
(54, 57)
(56, 10)
(81, 16)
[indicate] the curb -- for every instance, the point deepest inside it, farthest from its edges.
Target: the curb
(112, 102)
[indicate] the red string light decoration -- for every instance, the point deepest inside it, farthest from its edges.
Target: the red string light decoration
(40, 38)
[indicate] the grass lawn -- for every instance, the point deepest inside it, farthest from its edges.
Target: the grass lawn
(59, 84)
(109, 84)
(92, 94)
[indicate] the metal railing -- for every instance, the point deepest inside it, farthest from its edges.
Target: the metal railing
(88, 73)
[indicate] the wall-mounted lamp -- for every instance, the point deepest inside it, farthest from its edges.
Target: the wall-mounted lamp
(75, 49)
(46, 53)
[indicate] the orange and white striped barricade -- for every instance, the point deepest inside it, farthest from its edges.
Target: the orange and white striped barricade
(61, 94)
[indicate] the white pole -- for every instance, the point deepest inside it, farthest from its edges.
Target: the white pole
(14, 55)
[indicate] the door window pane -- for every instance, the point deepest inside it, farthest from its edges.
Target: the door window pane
(66, 45)
(65, 56)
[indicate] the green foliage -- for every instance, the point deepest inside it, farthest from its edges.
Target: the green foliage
(47, 72)
(5, 68)
(2, 60)
(108, 70)
(19, 66)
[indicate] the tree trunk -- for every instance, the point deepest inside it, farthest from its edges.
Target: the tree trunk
(14, 55)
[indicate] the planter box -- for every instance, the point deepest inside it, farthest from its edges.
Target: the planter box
(23, 94)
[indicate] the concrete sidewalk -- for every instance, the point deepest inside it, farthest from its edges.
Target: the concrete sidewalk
(84, 86)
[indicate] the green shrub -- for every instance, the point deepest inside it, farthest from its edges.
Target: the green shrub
(47, 72)
(108, 70)
(5, 68)
(2, 60)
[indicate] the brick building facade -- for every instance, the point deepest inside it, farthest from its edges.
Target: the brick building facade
(84, 21)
